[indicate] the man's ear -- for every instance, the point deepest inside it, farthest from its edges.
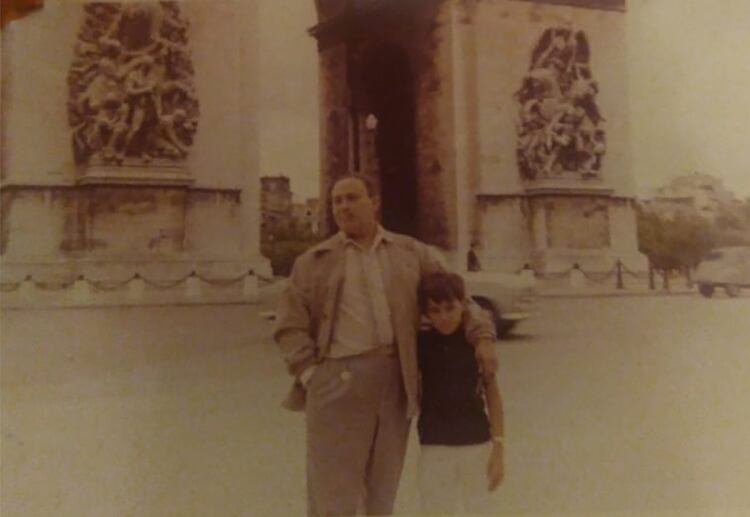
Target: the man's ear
(376, 202)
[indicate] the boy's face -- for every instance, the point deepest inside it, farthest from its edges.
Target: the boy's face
(445, 316)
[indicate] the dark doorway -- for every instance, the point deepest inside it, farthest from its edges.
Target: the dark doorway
(389, 89)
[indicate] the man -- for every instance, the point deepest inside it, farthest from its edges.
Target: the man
(347, 325)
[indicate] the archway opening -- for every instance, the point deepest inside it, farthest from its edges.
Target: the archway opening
(388, 84)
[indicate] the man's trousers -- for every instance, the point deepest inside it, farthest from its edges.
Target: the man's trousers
(357, 432)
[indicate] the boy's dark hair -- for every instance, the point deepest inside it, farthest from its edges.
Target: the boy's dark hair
(440, 287)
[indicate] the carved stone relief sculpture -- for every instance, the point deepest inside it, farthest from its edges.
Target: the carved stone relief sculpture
(132, 98)
(560, 130)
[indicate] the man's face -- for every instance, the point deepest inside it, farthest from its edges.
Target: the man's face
(353, 209)
(445, 316)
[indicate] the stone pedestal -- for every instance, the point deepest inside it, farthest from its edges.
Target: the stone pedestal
(165, 175)
(555, 183)
(144, 169)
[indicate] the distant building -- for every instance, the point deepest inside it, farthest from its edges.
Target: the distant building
(305, 215)
(280, 213)
(275, 203)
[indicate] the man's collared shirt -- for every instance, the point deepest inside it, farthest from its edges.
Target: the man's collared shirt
(363, 317)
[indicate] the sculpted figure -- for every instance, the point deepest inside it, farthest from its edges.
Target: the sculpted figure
(559, 130)
(132, 98)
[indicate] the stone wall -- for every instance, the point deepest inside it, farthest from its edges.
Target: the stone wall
(503, 228)
(334, 123)
(507, 32)
(571, 216)
(197, 210)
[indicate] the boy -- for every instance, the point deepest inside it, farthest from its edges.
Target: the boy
(455, 433)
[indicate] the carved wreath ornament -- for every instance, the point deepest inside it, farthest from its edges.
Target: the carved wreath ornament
(132, 97)
(560, 131)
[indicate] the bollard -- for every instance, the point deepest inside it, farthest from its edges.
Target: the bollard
(136, 287)
(619, 275)
(527, 273)
(26, 290)
(576, 276)
(250, 286)
(80, 293)
(193, 286)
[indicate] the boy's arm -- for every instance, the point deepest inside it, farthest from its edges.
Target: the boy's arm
(494, 406)
(495, 467)
(480, 332)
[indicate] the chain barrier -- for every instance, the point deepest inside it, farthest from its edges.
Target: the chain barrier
(109, 286)
(265, 279)
(166, 284)
(222, 282)
(618, 271)
(9, 287)
(53, 286)
(556, 275)
(599, 277)
(632, 273)
(103, 286)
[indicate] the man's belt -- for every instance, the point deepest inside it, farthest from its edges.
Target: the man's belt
(381, 351)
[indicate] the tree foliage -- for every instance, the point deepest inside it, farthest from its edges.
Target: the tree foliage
(284, 242)
(732, 225)
(680, 239)
(677, 242)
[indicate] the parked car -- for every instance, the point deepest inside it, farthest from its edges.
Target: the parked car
(507, 297)
(724, 267)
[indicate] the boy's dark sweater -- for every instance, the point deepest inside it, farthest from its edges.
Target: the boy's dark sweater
(452, 407)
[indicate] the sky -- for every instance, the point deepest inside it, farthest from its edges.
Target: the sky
(689, 83)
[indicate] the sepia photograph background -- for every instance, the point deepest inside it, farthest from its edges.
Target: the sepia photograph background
(143, 251)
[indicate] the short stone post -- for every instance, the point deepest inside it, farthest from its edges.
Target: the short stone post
(80, 293)
(250, 286)
(136, 287)
(576, 276)
(193, 286)
(527, 273)
(26, 290)
(619, 275)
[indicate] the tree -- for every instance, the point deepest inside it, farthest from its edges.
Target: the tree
(677, 242)
(284, 241)
(732, 225)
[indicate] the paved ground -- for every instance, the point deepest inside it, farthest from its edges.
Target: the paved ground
(623, 406)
